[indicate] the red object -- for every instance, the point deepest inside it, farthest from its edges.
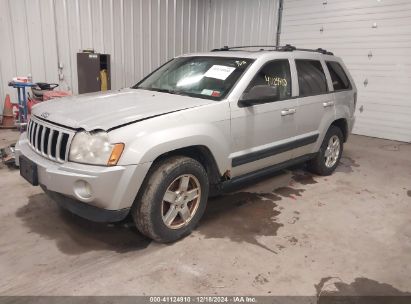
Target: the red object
(215, 94)
(47, 95)
(15, 108)
(8, 119)
(30, 103)
(21, 79)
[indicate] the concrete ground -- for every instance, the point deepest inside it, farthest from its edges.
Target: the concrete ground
(292, 234)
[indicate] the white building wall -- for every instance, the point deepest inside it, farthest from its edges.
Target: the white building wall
(374, 39)
(241, 22)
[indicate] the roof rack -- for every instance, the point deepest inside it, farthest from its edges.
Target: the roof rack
(285, 48)
(319, 50)
(233, 48)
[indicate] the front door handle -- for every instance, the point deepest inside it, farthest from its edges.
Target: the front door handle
(288, 112)
(328, 104)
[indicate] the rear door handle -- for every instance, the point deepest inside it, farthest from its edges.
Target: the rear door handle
(328, 104)
(288, 112)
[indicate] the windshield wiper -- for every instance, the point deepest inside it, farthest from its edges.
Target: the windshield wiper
(175, 92)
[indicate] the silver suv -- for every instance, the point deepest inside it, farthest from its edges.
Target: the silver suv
(195, 126)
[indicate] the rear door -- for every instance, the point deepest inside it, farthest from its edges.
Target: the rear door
(316, 110)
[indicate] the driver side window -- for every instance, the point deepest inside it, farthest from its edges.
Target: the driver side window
(275, 77)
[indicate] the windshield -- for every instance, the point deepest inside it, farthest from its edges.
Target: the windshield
(203, 77)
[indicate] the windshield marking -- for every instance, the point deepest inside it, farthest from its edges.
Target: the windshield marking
(219, 72)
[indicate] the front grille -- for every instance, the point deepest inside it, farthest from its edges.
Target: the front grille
(50, 141)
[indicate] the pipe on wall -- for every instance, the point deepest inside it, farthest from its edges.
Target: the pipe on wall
(279, 21)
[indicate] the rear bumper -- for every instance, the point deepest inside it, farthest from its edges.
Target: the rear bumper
(110, 188)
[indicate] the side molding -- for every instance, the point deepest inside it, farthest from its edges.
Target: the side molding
(252, 176)
(253, 156)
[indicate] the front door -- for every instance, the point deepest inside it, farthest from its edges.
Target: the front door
(262, 132)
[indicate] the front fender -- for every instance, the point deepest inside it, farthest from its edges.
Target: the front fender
(207, 126)
(149, 148)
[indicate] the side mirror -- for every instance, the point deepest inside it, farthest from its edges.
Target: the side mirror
(259, 94)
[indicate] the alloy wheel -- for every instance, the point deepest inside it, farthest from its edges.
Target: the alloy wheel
(181, 201)
(332, 152)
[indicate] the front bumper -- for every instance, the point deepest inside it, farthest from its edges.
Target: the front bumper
(109, 188)
(87, 211)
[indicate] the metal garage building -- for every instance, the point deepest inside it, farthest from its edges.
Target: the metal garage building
(372, 36)
(374, 39)
(138, 34)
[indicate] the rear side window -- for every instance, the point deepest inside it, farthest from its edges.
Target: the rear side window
(338, 76)
(311, 77)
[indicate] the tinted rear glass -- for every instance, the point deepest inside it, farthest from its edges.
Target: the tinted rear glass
(311, 77)
(338, 76)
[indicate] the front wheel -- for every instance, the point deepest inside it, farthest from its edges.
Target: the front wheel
(330, 153)
(173, 200)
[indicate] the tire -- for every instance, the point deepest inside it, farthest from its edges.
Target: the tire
(319, 164)
(152, 209)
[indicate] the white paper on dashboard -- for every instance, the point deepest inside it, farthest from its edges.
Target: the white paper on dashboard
(219, 72)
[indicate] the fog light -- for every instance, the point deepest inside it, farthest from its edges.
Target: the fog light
(82, 189)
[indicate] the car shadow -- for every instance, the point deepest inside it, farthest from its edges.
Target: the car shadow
(243, 214)
(75, 235)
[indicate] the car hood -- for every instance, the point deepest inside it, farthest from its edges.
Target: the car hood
(113, 108)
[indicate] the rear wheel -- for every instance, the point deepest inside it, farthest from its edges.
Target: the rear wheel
(330, 153)
(173, 199)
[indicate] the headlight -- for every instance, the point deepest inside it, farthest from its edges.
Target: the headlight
(94, 148)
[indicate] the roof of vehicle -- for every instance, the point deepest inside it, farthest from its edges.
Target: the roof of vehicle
(257, 51)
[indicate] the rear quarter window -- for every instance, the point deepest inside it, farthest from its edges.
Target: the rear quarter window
(311, 77)
(338, 76)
